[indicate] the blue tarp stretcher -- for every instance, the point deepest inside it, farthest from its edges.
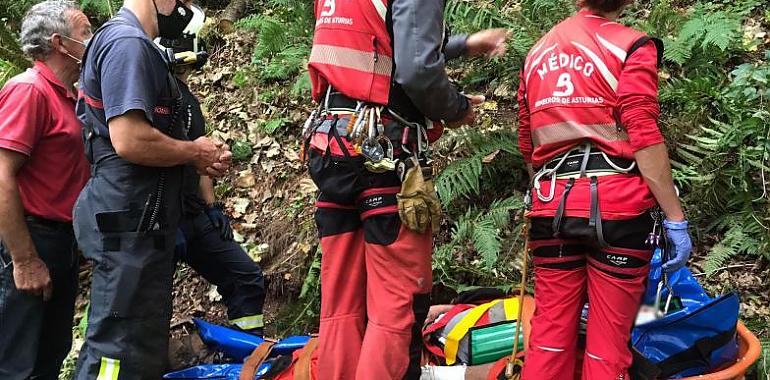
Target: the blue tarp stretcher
(236, 345)
(683, 333)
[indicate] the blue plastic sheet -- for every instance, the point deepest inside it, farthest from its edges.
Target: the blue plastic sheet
(238, 345)
(696, 321)
(235, 344)
(214, 372)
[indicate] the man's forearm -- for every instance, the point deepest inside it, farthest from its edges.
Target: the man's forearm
(655, 167)
(207, 190)
(138, 142)
(13, 228)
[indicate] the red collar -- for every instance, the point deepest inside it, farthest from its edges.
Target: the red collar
(44, 71)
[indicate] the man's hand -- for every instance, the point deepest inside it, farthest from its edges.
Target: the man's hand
(470, 114)
(31, 275)
(490, 42)
(224, 161)
(208, 153)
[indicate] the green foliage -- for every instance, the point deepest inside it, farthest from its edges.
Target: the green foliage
(463, 176)
(284, 34)
(12, 59)
(459, 179)
(241, 78)
(312, 280)
(728, 157)
(273, 125)
(102, 9)
(13, 10)
(734, 242)
(472, 256)
(242, 150)
(704, 32)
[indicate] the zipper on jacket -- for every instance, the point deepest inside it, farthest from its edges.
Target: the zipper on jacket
(154, 225)
(374, 45)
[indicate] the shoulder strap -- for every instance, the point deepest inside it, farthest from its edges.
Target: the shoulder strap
(643, 40)
(257, 357)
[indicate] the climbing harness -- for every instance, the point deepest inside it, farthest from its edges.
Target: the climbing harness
(583, 162)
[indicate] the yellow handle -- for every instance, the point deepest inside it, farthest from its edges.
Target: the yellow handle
(452, 345)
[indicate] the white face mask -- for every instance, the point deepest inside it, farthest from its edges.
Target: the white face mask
(84, 43)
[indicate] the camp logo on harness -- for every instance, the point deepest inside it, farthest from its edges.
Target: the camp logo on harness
(162, 110)
(618, 260)
(374, 202)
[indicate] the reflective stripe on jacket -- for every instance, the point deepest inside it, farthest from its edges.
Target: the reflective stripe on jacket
(571, 80)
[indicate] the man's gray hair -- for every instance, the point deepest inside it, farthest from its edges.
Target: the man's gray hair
(40, 22)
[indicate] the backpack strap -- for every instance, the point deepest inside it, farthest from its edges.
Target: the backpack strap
(642, 41)
(257, 357)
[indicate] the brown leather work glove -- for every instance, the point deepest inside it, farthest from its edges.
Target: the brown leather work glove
(418, 204)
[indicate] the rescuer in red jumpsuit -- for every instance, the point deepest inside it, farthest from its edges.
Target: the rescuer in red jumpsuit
(378, 73)
(588, 130)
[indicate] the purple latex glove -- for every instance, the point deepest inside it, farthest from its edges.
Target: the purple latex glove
(681, 243)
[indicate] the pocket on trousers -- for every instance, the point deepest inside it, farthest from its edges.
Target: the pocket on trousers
(134, 281)
(338, 178)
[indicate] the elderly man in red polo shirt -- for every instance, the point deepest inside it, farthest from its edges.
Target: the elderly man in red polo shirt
(42, 170)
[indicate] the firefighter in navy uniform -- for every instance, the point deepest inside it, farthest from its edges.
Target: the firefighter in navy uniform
(588, 129)
(378, 75)
(205, 237)
(126, 217)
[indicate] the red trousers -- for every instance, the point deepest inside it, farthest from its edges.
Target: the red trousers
(375, 277)
(574, 269)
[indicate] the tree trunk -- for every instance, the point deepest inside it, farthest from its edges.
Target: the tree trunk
(231, 14)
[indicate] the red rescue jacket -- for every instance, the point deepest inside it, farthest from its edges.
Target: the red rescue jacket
(571, 78)
(352, 50)
(575, 87)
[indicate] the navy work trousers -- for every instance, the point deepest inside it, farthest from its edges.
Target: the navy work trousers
(36, 335)
(225, 264)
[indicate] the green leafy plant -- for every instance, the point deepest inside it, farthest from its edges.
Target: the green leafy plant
(463, 176)
(704, 32)
(273, 125)
(284, 33)
(242, 150)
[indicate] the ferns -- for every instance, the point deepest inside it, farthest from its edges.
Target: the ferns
(702, 32)
(283, 39)
(462, 178)
(482, 232)
(734, 242)
(312, 281)
(459, 179)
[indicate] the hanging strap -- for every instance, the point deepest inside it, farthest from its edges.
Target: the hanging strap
(560, 210)
(461, 329)
(595, 216)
